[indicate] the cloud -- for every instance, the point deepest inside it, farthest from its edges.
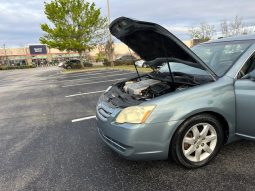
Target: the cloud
(20, 20)
(184, 10)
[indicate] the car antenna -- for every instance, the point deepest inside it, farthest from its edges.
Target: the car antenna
(169, 67)
(134, 64)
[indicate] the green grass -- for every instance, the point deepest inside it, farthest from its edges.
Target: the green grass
(121, 68)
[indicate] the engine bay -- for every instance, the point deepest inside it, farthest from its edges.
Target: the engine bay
(146, 88)
(149, 86)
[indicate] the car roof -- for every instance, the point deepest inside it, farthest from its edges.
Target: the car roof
(234, 38)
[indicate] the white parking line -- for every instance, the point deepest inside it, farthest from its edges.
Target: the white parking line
(90, 74)
(83, 119)
(85, 72)
(79, 94)
(96, 77)
(93, 82)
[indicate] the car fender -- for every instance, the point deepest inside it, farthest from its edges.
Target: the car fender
(217, 97)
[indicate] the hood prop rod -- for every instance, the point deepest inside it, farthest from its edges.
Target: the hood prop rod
(172, 76)
(169, 67)
(134, 64)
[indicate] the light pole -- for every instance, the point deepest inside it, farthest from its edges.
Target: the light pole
(110, 36)
(5, 56)
(109, 19)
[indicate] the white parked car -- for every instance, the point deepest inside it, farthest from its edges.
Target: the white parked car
(140, 63)
(61, 64)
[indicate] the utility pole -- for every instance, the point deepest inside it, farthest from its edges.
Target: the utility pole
(110, 36)
(5, 56)
(109, 19)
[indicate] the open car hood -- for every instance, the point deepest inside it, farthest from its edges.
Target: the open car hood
(151, 41)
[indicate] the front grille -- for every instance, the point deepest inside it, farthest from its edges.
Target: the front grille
(104, 111)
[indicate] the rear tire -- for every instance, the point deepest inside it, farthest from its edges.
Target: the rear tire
(197, 141)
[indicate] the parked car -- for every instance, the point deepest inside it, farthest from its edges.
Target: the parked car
(61, 64)
(141, 63)
(75, 64)
(126, 57)
(125, 60)
(195, 101)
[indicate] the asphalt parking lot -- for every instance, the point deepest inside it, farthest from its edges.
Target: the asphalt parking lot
(49, 141)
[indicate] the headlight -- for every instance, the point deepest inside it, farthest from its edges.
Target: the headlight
(134, 114)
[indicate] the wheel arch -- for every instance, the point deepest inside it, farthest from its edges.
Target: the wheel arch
(223, 121)
(172, 147)
(220, 117)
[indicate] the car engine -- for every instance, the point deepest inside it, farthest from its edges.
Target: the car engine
(146, 88)
(143, 88)
(136, 88)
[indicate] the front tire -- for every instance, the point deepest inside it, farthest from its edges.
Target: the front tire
(197, 141)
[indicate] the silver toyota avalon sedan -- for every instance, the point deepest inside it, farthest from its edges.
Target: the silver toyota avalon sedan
(193, 102)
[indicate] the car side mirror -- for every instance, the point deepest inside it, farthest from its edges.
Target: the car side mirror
(250, 76)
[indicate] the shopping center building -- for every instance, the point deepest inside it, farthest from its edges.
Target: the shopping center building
(37, 54)
(33, 54)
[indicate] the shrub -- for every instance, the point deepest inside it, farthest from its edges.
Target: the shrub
(16, 67)
(123, 62)
(87, 64)
(76, 66)
(100, 57)
(107, 63)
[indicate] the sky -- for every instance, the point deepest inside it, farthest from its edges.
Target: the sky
(20, 19)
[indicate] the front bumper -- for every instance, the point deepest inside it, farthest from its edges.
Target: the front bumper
(134, 141)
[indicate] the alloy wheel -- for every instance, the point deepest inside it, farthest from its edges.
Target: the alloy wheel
(199, 142)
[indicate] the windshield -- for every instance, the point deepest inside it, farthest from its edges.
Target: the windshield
(180, 67)
(221, 56)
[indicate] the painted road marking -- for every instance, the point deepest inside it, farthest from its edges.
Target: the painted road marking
(88, 83)
(84, 118)
(90, 74)
(86, 72)
(74, 75)
(96, 77)
(87, 93)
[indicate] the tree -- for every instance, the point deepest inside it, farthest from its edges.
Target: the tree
(75, 25)
(109, 49)
(203, 32)
(237, 26)
(105, 51)
(224, 28)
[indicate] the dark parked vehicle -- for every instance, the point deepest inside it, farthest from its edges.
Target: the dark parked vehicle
(125, 60)
(195, 101)
(126, 57)
(75, 64)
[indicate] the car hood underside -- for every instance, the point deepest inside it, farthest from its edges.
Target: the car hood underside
(151, 41)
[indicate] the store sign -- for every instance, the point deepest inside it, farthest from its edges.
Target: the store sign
(38, 49)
